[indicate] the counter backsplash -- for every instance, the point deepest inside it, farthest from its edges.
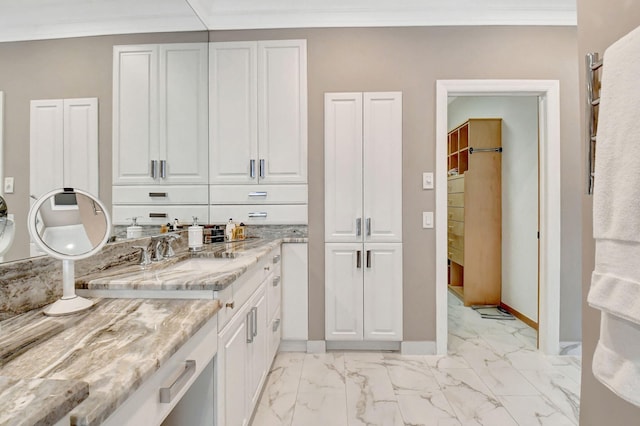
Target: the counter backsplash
(32, 283)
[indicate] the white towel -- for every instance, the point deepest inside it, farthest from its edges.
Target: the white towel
(615, 282)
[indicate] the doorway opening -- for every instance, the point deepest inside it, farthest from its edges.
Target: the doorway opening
(546, 93)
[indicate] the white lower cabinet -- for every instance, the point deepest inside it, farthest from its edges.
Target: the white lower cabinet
(363, 291)
(246, 344)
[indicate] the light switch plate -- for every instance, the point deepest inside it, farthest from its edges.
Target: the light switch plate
(8, 185)
(427, 180)
(427, 220)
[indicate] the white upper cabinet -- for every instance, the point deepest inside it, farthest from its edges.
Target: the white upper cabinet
(363, 167)
(258, 112)
(160, 114)
(64, 145)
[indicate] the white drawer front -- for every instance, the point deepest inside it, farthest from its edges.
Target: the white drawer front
(258, 194)
(291, 214)
(159, 214)
(160, 194)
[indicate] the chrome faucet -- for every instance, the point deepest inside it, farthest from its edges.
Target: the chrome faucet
(144, 256)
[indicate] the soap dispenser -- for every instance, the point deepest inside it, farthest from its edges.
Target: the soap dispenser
(196, 234)
(134, 230)
(228, 232)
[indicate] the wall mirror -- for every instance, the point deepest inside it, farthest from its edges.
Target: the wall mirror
(69, 224)
(7, 228)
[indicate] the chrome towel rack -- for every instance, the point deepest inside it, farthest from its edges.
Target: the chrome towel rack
(593, 64)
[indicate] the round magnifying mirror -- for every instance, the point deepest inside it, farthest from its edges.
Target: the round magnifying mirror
(69, 224)
(7, 228)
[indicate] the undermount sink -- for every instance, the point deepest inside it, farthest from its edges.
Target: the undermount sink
(205, 264)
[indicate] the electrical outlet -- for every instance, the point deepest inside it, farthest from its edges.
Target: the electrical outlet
(427, 180)
(8, 185)
(427, 220)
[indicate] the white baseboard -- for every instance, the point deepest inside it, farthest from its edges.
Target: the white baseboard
(293, 346)
(418, 348)
(339, 345)
(316, 346)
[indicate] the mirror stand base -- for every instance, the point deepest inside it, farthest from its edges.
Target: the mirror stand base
(68, 306)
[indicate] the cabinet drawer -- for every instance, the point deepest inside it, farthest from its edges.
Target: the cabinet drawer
(455, 241)
(455, 227)
(455, 213)
(456, 255)
(455, 184)
(455, 200)
(258, 194)
(159, 214)
(292, 214)
(161, 194)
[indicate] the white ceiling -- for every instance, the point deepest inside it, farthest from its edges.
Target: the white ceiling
(44, 19)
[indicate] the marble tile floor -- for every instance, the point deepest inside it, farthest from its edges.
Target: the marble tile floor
(492, 376)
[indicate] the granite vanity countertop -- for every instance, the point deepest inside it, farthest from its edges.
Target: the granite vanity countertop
(162, 276)
(113, 348)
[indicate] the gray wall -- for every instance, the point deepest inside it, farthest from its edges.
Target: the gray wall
(347, 59)
(411, 60)
(600, 23)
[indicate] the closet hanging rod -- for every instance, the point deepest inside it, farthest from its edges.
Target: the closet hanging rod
(496, 149)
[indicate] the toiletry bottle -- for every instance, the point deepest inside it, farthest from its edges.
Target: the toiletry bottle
(196, 234)
(228, 232)
(134, 230)
(176, 225)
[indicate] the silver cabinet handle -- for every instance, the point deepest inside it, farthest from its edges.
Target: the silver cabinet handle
(158, 215)
(168, 393)
(276, 281)
(358, 227)
(154, 169)
(262, 168)
(257, 214)
(163, 169)
(276, 325)
(157, 194)
(276, 258)
(358, 259)
(368, 226)
(252, 169)
(258, 194)
(368, 258)
(249, 321)
(255, 321)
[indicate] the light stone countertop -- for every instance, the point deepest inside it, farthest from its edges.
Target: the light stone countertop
(113, 347)
(162, 276)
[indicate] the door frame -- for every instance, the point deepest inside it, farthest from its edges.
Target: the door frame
(548, 93)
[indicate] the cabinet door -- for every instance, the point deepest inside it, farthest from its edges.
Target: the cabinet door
(135, 114)
(233, 125)
(46, 146)
(343, 167)
(282, 111)
(232, 372)
(183, 138)
(383, 291)
(343, 291)
(80, 162)
(383, 167)
(257, 356)
(295, 291)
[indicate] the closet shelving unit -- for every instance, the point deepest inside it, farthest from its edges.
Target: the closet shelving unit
(474, 211)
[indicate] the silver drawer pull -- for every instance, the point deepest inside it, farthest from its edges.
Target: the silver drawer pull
(257, 214)
(258, 194)
(152, 215)
(276, 258)
(276, 281)
(276, 325)
(168, 393)
(157, 194)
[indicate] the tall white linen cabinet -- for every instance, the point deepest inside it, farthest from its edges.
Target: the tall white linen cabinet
(363, 216)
